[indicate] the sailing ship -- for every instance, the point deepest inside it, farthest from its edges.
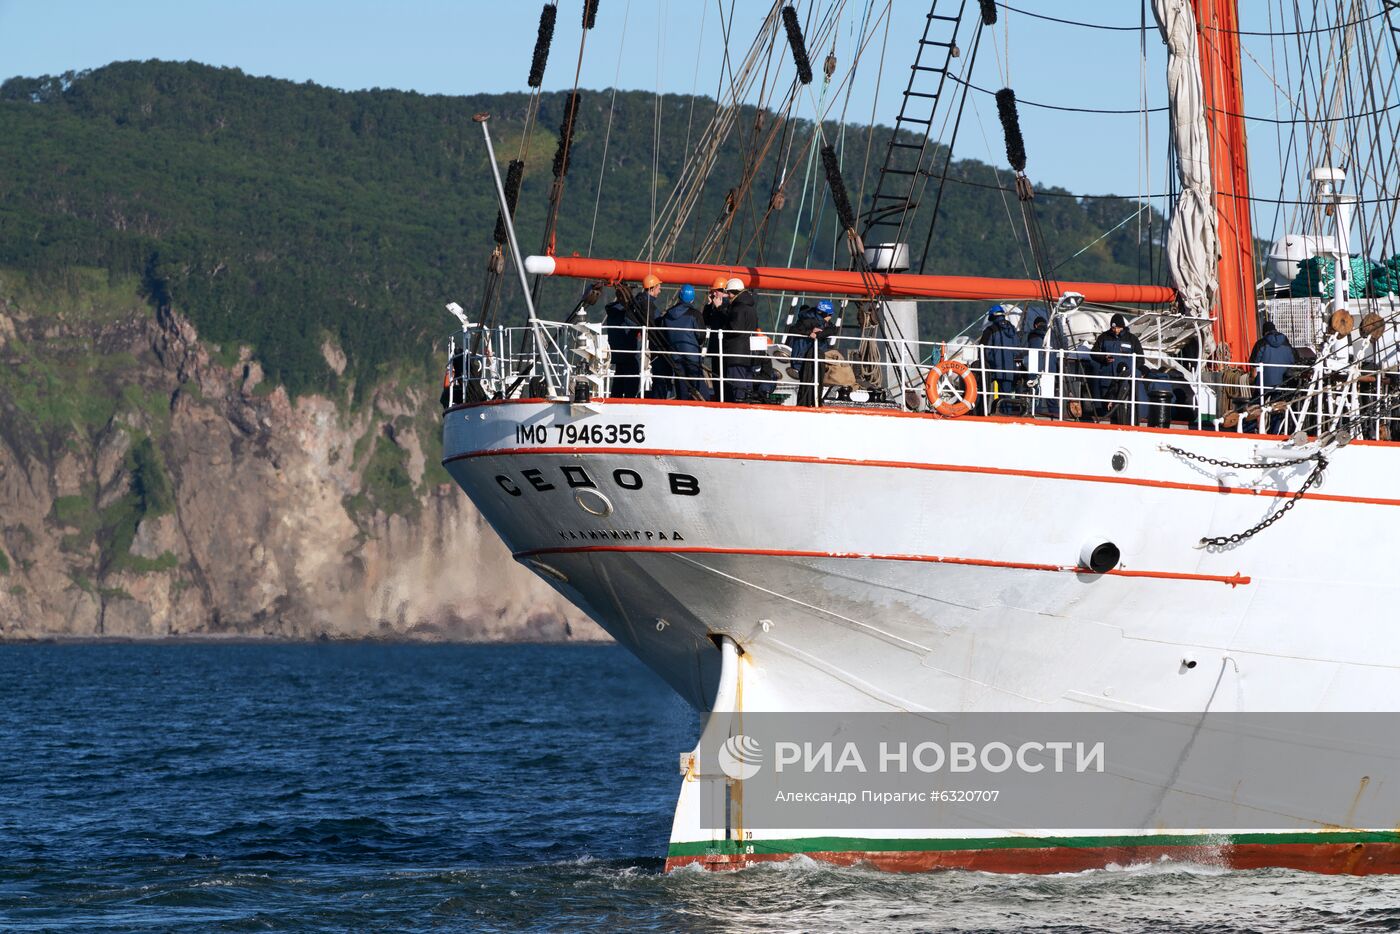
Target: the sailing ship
(926, 529)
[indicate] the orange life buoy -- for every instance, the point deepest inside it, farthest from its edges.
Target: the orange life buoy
(951, 387)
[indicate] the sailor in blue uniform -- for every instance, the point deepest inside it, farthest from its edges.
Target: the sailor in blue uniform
(1002, 358)
(680, 326)
(1118, 353)
(1273, 355)
(810, 320)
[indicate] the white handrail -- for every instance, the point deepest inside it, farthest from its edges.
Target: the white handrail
(1319, 396)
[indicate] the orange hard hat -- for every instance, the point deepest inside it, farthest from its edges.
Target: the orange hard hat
(651, 281)
(719, 283)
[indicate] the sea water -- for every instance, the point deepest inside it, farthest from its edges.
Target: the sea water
(335, 787)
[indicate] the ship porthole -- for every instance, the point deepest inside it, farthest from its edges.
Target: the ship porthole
(593, 502)
(1119, 460)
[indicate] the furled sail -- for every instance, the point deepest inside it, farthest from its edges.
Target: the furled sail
(1193, 244)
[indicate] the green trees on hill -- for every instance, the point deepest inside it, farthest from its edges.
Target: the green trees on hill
(279, 215)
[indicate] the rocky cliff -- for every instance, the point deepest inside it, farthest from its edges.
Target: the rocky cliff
(153, 486)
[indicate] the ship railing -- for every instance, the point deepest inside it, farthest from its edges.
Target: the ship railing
(1341, 390)
(510, 362)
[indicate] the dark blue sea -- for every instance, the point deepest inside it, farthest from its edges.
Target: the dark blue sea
(379, 787)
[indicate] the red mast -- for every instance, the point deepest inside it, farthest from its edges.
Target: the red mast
(1217, 27)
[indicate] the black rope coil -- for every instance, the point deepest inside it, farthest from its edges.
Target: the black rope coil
(1011, 128)
(989, 12)
(798, 45)
(542, 43)
(838, 187)
(590, 13)
(566, 135)
(514, 172)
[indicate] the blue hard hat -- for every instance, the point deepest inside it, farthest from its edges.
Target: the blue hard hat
(995, 310)
(687, 293)
(825, 307)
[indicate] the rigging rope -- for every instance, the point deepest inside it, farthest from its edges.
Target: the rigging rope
(1164, 108)
(893, 196)
(607, 135)
(828, 24)
(763, 139)
(656, 130)
(1238, 32)
(675, 213)
(1060, 107)
(495, 265)
(996, 173)
(874, 98)
(987, 6)
(695, 75)
(848, 83)
(1103, 236)
(1050, 193)
(566, 142)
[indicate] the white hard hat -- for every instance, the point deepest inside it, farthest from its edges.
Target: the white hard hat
(734, 285)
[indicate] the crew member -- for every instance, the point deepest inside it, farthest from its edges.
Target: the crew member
(451, 380)
(809, 322)
(683, 333)
(647, 300)
(740, 320)
(814, 326)
(648, 307)
(624, 338)
(1272, 354)
(713, 317)
(1117, 353)
(1002, 357)
(1042, 364)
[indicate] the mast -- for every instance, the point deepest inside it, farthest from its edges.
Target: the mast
(1236, 318)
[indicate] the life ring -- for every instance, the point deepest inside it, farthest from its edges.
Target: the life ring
(951, 387)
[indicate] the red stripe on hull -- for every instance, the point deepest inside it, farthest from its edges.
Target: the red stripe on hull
(1234, 580)
(1328, 858)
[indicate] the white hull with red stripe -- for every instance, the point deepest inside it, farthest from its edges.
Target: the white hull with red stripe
(925, 563)
(868, 560)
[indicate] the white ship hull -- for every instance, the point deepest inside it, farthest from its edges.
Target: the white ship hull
(881, 561)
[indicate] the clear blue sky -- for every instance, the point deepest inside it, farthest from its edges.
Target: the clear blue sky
(464, 46)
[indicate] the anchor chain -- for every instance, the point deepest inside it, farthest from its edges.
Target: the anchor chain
(1234, 465)
(1219, 541)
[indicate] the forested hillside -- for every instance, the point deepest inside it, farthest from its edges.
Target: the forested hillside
(277, 215)
(221, 319)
